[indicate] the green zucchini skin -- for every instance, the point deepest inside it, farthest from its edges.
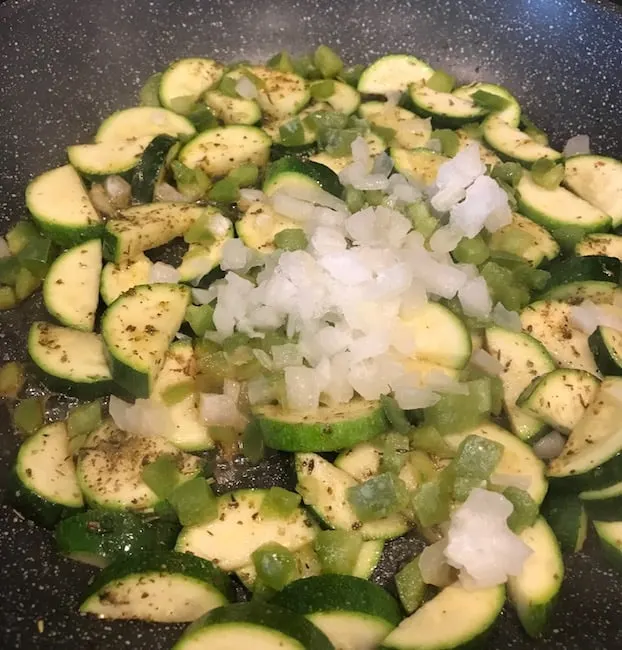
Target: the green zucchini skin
(322, 175)
(150, 169)
(605, 354)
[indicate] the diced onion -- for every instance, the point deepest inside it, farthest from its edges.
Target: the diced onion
(167, 193)
(578, 144)
(119, 191)
(144, 417)
(486, 362)
(161, 272)
(550, 446)
(101, 201)
(246, 88)
(433, 565)
(510, 320)
(221, 410)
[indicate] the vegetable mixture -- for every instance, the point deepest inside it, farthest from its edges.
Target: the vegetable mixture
(395, 281)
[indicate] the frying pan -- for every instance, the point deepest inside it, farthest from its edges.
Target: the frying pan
(65, 65)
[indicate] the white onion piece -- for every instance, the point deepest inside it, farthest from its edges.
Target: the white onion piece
(4, 248)
(521, 481)
(360, 152)
(205, 296)
(264, 358)
(232, 389)
(261, 391)
(251, 195)
(486, 362)
(584, 317)
(475, 298)
(434, 145)
(445, 240)
(292, 207)
(302, 388)
(101, 201)
(143, 418)
(510, 320)
(288, 354)
(161, 272)
(393, 97)
(246, 88)
(218, 225)
(119, 191)
(550, 446)
(415, 398)
(613, 389)
(578, 144)
(442, 383)
(383, 164)
(235, 255)
(433, 565)
(167, 193)
(221, 410)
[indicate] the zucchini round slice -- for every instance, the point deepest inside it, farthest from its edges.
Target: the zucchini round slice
(393, 74)
(61, 207)
(143, 121)
(452, 619)
(259, 225)
(71, 286)
(280, 93)
(487, 156)
(110, 467)
(565, 514)
(200, 259)
(604, 504)
(352, 613)
(223, 149)
(70, 361)
(337, 163)
(445, 109)
(510, 114)
(233, 110)
(137, 330)
(606, 346)
(593, 268)
(151, 167)
(534, 591)
(43, 484)
(329, 428)
(98, 537)
(158, 586)
(185, 80)
(605, 244)
(411, 131)
(292, 175)
(256, 624)
(344, 100)
(116, 280)
(239, 529)
(419, 165)
(610, 537)
(105, 158)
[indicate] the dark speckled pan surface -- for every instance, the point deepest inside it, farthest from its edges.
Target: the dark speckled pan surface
(64, 65)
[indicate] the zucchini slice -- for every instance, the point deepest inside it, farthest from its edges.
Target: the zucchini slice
(368, 558)
(445, 109)
(143, 121)
(185, 427)
(43, 484)
(560, 397)
(328, 428)
(116, 280)
(588, 268)
(324, 489)
(200, 259)
(338, 163)
(558, 208)
(61, 207)
(511, 143)
(105, 158)
(273, 127)
(452, 619)
(143, 227)
(610, 538)
(260, 224)
(239, 529)
(110, 468)
(361, 462)
(575, 293)
(549, 322)
(98, 537)
(393, 74)
(566, 515)
(606, 346)
(523, 359)
(280, 93)
(420, 165)
(185, 80)
(598, 180)
(606, 244)
(487, 156)
(534, 591)
(137, 330)
(233, 110)
(71, 286)
(344, 100)
(411, 131)
(157, 586)
(257, 624)
(352, 613)
(70, 361)
(293, 176)
(510, 114)
(518, 458)
(604, 504)
(151, 167)
(592, 457)
(223, 149)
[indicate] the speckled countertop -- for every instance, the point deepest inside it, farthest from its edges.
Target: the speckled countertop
(64, 65)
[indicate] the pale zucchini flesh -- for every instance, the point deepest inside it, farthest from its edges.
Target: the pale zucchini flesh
(143, 121)
(110, 157)
(421, 165)
(117, 279)
(233, 110)
(393, 74)
(512, 143)
(185, 80)
(260, 224)
(411, 131)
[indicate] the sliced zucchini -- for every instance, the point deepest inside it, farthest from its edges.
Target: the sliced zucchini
(338, 163)
(105, 158)
(258, 625)
(444, 108)
(534, 591)
(223, 149)
(158, 586)
(233, 110)
(420, 165)
(111, 462)
(549, 322)
(98, 537)
(560, 397)
(452, 619)
(259, 225)
(393, 74)
(543, 248)
(576, 292)
(368, 558)
(142, 227)
(598, 180)
(567, 518)
(137, 330)
(606, 244)
(185, 427)
(606, 346)
(510, 114)
(523, 359)
(61, 208)
(328, 428)
(592, 457)
(511, 143)
(441, 336)
(361, 462)
(143, 121)
(200, 259)
(300, 178)
(610, 537)
(185, 80)
(239, 529)
(344, 99)
(43, 484)
(273, 127)
(411, 131)
(487, 156)
(518, 458)
(589, 268)
(558, 208)
(280, 93)
(352, 613)
(71, 286)
(71, 361)
(604, 504)
(151, 167)
(324, 489)
(116, 280)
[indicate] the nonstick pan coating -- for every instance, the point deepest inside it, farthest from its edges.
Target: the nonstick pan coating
(64, 65)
